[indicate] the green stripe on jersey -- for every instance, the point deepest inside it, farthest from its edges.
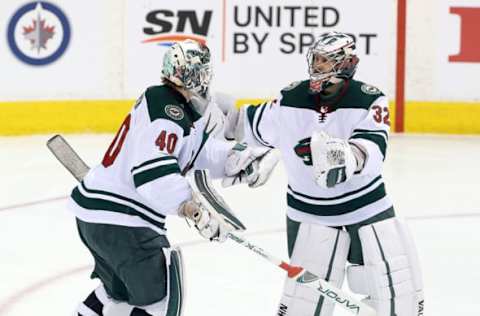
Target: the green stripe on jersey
(154, 173)
(377, 139)
(149, 162)
(340, 208)
(370, 131)
(251, 113)
(103, 204)
(338, 196)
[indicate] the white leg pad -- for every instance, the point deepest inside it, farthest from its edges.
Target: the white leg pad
(322, 251)
(391, 275)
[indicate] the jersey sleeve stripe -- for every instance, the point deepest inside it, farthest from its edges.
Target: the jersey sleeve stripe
(378, 131)
(251, 113)
(374, 138)
(154, 165)
(154, 173)
(254, 114)
(165, 159)
(257, 130)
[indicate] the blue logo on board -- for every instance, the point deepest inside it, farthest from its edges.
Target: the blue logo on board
(38, 33)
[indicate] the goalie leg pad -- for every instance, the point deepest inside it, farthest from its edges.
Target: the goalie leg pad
(391, 275)
(170, 304)
(323, 251)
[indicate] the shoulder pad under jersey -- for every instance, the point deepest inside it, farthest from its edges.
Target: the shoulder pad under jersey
(165, 103)
(359, 95)
(296, 95)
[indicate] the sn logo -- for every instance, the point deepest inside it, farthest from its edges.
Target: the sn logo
(164, 21)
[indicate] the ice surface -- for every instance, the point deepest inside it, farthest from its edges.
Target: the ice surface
(44, 268)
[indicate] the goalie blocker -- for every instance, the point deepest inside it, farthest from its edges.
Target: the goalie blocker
(212, 217)
(207, 194)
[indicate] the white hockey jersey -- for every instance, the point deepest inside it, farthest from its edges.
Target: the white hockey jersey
(357, 113)
(141, 178)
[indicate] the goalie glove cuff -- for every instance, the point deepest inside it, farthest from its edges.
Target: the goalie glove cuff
(360, 156)
(249, 165)
(208, 226)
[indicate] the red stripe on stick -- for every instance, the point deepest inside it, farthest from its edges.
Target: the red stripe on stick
(292, 271)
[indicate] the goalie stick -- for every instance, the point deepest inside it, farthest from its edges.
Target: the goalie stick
(67, 157)
(299, 274)
(78, 168)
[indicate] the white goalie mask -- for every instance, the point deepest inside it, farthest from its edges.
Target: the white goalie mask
(338, 51)
(187, 65)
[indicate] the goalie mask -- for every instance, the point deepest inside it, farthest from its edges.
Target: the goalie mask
(331, 59)
(187, 65)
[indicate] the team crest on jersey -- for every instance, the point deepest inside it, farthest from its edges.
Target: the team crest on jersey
(292, 86)
(368, 89)
(302, 149)
(174, 111)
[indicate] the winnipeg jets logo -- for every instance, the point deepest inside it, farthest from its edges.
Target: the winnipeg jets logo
(324, 110)
(38, 33)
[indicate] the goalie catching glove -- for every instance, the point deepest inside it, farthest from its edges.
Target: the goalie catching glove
(251, 165)
(204, 221)
(334, 160)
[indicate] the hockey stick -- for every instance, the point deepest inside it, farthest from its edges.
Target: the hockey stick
(78, 168)
(67, 157)
(302, 276)
(299, 274)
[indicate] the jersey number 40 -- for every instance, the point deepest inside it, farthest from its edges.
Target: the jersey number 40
(117, 143)
(165, 141)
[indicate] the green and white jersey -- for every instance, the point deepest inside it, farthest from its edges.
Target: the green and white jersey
(141, 178)
(357, 113)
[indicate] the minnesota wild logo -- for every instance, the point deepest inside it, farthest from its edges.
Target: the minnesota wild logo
(174, 111)
(369, 89)
(302, 149)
